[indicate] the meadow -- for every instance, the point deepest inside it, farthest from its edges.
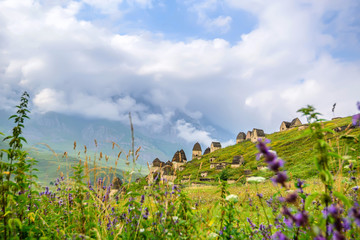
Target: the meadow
(83, 204)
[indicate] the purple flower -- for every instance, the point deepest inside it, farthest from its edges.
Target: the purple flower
(334, 211)
(288, 222)
(356, 119)
(301, 219)
(338, 236)
(346, 224)
(276, 164)
(280, 178)
(142, 198)
(262, 146)
(279, 236)
(355, 214)
(319, 237)
(291, 198)
(251, 223)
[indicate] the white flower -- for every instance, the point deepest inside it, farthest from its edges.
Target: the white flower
(175, 218)
(213, 235)
(169, 233)
(255, 179)
(232, 198)
(264, 169)
(142, 230)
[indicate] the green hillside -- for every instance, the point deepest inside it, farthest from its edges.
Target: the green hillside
(294, 146)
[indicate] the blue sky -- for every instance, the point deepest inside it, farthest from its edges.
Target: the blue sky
(186, 67)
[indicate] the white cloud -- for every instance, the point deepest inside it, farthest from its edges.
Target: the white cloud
(74, 66)
(190, 134)
(220, 24)
(50, 100)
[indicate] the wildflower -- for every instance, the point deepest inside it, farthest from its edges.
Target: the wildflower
(251, 223)
(280, 178)
(291, 198)
(232, 198)
(213, 235)
(301, 219)
(338, 236)
(356, 118)
(259, 195)
(142, 198)
(141, 230)
(276, 164)
(355, 214)
(319, 237)
(255, 179)
(175, 218)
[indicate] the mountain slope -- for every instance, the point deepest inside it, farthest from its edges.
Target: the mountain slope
(293, 146)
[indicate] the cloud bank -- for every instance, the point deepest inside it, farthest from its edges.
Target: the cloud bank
(299, 52)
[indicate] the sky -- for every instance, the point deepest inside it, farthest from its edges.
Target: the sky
(191, 66)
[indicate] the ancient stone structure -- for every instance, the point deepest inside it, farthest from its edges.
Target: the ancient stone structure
(221, 165)
(288, 125)
(207, 150)
(248, 135)
(215, 146)
(179, 159)
(237, 161)
(240, 137)
(256, 134)
(196, 152)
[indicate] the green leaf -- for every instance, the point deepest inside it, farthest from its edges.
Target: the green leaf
(310, 199)
(343, 198)
(14, 221)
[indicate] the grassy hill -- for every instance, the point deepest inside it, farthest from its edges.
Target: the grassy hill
(294, 146)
